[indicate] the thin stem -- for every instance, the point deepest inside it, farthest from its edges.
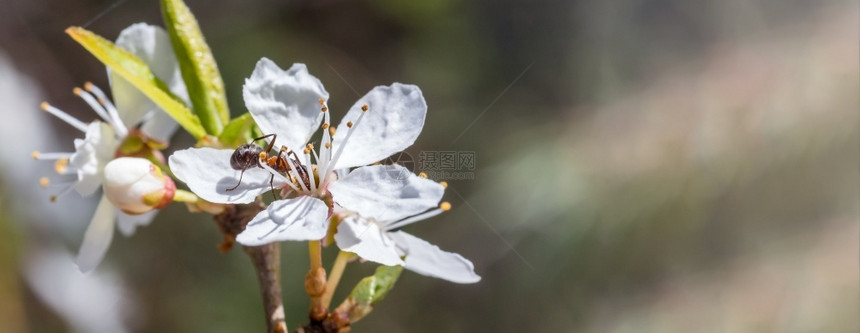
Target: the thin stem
(315, 252)
(185, 196)
(315, 281)
(337, 268)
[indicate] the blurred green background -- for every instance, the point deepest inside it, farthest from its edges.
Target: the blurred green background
(641, 165)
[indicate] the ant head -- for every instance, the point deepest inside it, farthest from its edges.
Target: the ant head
(245, 157)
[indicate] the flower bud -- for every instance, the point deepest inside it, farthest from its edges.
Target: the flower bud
(136, 186)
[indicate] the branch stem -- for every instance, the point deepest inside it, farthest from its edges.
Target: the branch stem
(266, 260)
(315, 282)
(337, 269)
(315, 252)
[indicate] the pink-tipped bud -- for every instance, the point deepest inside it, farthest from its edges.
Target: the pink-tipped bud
(136, 186)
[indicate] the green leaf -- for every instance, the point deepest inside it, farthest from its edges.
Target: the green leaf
(139, 75)
(199, 70)
(238, 131)
(373, 289)
(367, 293)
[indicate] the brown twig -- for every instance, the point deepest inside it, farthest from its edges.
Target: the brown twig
(266, 260)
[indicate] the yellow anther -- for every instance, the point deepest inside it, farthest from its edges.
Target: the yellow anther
(444, 184)
(53, 198)
(88, 86)
(325, 126)
(45, 106)
(321, 101)
(332, 130)
(349, 124)
(310, 146)
(78, 91)
(422, 175)
(364, 107)
(324, 109)
(328, 145)
(35, 154)
(263, 155)
(307, 151)
(61, 165)
(445, 206)
(44, 181)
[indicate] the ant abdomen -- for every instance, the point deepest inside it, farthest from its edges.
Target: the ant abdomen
(245, 157)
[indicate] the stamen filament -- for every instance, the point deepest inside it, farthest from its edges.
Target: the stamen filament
(81, 126)
(114, 114)
(311, 177)
(50, 156)
(91, 101)
(345, 140)
(413, 219)
(62, 193)
(278, 175)
(48, 183)
(296, 174)
(325, 150)
(316, 157)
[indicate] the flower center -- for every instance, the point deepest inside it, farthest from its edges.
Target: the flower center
(104, 108)
(304, 177)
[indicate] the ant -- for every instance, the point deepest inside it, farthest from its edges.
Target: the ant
(248, 156)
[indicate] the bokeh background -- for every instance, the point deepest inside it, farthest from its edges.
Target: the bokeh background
(641, 165)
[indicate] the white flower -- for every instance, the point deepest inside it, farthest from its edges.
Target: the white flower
(375, 240)
(95, 302)
(136, 186)
(291, 104)
(133, 113)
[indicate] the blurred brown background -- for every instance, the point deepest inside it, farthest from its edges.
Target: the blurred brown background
(641, 165)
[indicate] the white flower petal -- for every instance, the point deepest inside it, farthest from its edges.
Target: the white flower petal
(159, 126)
(297, 219)
(366, 240)
(386, 192)
(91, 155)
(427, 259)
(285, 103)
(93, 302)
(152, 45)
(208, 174)
(128, 223)
(97, 237)
(393, 122)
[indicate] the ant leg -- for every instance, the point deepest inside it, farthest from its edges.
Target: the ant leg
(272, 185)
(271, 143)
(265, 136)
(240, 181)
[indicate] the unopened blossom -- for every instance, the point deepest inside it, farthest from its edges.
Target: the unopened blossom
(132, 117)
(136, 186)
(292, 105)
(374, 236)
